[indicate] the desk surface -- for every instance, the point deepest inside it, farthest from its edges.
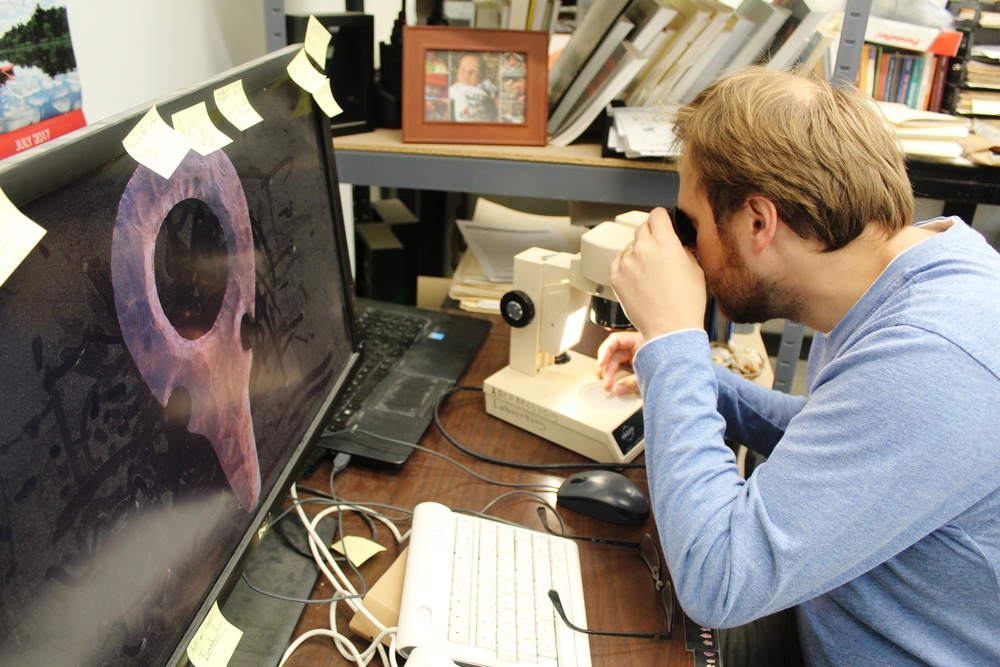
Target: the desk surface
(619, 589)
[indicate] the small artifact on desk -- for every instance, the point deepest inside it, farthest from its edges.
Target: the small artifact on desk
(740, 359)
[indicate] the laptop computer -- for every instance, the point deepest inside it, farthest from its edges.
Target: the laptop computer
(411, 358)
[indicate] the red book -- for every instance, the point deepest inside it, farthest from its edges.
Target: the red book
(941, 66)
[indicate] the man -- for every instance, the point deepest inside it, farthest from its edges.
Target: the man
(876, 518)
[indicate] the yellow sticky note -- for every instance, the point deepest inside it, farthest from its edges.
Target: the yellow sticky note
(18, 235)
(234, 105)
(317, 41)
(156, 145)
(304, 74)
(324, 98)
(199, 129)
(358, 549)
(215, 642)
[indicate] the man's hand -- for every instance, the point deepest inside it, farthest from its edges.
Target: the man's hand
(617, 350)
(658, 281)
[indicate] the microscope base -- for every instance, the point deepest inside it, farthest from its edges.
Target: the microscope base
(566, 404)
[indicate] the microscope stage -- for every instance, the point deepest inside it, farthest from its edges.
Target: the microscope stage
(567, 404)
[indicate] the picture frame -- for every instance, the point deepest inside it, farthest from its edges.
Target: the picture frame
(474, 86)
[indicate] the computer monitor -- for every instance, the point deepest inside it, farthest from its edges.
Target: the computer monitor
(170, 350)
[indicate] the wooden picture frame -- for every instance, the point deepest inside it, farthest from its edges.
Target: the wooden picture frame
(475, 86)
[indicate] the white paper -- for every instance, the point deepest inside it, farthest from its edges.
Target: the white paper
(495, 246)
(645, 131)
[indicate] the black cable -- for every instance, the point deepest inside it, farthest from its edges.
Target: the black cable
(515, 464)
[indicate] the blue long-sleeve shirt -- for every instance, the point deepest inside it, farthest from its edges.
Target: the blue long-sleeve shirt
(877, 512)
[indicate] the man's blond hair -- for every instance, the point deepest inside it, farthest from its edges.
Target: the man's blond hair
(824, 154)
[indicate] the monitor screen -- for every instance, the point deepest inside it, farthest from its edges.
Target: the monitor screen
(170, 349)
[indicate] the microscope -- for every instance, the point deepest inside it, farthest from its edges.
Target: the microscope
(547, 388)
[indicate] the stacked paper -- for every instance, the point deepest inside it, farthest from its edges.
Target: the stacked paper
(643, 132)
(494, 235)
(926, 134)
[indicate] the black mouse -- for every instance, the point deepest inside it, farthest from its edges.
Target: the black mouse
(605, 495)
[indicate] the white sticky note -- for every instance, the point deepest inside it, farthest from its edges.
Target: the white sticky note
(215, 642)
(303, 73)
(234, 105)
(317, 41)
(199, 129)
(359, 549)
(19, 234)
(324, 98)
(156, 145)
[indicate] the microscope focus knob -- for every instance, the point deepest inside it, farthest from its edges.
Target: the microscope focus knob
(517, 309)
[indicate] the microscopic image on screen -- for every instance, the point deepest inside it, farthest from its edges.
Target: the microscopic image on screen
(166, 347)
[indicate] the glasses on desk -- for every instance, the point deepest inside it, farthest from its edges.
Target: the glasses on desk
(650, 552)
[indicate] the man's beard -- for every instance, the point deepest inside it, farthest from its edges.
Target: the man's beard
(745, 297)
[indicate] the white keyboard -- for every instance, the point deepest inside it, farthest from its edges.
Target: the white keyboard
(478, 590)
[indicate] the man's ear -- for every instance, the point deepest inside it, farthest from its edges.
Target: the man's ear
(763, 220)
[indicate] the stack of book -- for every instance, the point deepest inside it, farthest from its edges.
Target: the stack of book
(926, 134)
(906, 63)
(494, 235)
(661, 53)
(504, 14)
(972, 86)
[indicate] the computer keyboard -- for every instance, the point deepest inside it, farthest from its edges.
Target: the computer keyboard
(386, 336)
(478, 589)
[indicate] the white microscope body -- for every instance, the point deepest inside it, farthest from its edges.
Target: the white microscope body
(546, 388)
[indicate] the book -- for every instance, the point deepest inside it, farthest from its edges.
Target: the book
(572, 96)
(768, 18)
(705, 41)
(618, 71)
(649, 17)
(517, 18)
(589, 33)
(818, 48)
(705, 69)
(689, 21)
(791, 39)
(912, 37)
(941, 66)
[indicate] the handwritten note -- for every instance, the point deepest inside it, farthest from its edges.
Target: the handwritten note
(156, 145)
(234, 105)
(358, 549)
(18, 236)
(317, 41)
(215, 641)
(324, 98)
(304, 74)
(195, 124)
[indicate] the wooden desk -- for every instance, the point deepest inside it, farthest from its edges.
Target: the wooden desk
(618, 584)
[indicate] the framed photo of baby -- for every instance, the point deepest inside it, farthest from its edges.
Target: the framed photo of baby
(468, 85)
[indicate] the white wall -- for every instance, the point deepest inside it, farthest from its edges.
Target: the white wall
(130, 52)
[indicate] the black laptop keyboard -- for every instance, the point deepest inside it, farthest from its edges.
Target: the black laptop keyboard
(385, 337)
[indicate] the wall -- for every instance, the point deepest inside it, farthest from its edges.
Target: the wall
(130, 52)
